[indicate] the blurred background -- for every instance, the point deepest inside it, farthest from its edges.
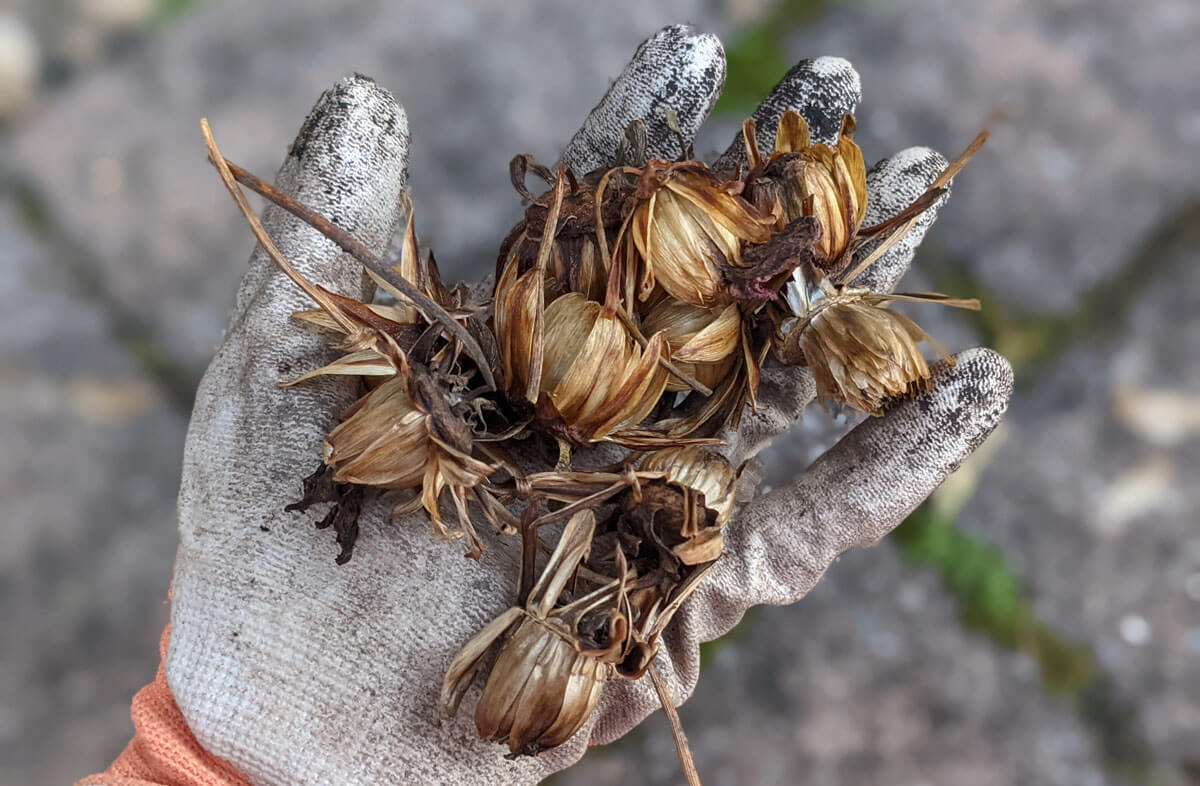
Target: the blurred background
(1036, 622)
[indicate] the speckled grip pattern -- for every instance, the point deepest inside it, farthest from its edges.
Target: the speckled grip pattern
(823, 90)
(677, 68)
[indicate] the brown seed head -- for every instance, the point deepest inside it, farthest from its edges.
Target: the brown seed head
(553, 656)
(403, 435)
(575, 262)
(699, 469)
(383, 440)
(860, 352)
(807, 179)
(595, 377)
(542, 688)
(688, 227)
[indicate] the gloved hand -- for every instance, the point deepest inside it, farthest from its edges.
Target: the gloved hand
(297, 670)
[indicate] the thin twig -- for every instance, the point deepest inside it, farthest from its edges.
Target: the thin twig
(318, 294)
(681, 743)
(911, 214)
(587, 502)
(529, 544)
(355, 249)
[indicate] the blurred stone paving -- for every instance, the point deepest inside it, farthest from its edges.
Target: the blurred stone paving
(88, 476)
(869, 680)
(119, 258)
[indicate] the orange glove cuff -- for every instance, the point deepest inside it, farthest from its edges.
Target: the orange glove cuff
(163, 751)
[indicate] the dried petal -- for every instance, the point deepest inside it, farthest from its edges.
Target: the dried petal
(595, 377)
(470, 659)
(703, 342)
(806, 179)
(862, 353)
(384, 442)
(519, 315)
(702, 470)
(687, 227)
(540, 691)
(367, 363)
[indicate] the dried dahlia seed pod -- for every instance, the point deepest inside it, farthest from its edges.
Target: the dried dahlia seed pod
(595, 378)
(550, 670)
(383, 440)
(575, 262)
(541, 689)
(703, 470)
(704, 342)
(807, 179)
(688, 229)
(860, 352)
(683, 503)
(403, 435)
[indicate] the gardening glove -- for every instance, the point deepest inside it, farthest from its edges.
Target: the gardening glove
(284, 668)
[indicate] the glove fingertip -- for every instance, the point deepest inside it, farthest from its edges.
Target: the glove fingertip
(970, 397)
(822, 89)
(359, 107)
(866, 484)
(349, 162)
(894, 182)
(677, 68)
(928, 437)
(892, 185)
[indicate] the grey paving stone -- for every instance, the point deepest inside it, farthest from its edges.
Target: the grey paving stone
(868, 680)
(88, 475)
(1094, 496)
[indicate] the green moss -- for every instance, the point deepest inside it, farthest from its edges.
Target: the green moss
(756, 61)
(993, 603)
(170, 10)
(976, 573)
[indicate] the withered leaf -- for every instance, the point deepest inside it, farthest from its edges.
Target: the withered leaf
(347, 500)
(767, 266)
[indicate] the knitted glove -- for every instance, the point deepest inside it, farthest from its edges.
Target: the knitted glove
(296, 670)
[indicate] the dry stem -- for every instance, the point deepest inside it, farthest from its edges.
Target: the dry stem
(681, 743)
(347, 244)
